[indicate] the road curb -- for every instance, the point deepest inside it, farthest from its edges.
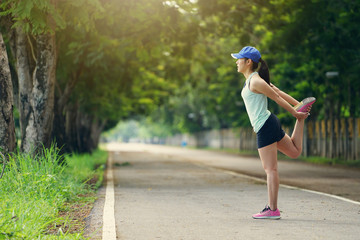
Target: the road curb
(109, 228)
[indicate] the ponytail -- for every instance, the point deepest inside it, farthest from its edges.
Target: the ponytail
(264, 71)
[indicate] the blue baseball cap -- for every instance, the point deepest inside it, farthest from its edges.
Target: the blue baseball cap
(248, 52)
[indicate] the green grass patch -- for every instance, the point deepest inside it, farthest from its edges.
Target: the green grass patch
(330, 161)
(311, 159)
(35, 190)
(124, 164)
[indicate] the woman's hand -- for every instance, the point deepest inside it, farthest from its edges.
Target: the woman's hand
(301, 115)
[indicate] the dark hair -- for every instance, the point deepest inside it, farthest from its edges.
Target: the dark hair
(263, 71)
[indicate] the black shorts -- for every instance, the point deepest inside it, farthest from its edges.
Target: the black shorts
(270, 132)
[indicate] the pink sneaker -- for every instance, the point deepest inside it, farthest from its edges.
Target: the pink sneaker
(267, 213)
(304, 104)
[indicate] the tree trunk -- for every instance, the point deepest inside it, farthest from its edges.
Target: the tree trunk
(25, 81)
(332, 148)
(7, 23)
(355, 136)
(96, 129)
(347, 140)
(82, 131)
(61, 115)
(7, 125)
(58, 131)
(324, 135)
(36, 89)
(70, 128)
(313, 141)
(319, 137)
(339, 135)
(305, 141)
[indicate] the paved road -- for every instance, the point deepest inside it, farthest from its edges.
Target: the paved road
(173, 193)
(343, 182)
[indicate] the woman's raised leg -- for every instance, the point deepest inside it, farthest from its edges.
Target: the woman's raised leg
(292, 147)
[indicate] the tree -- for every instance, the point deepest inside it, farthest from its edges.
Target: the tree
(111, 66)
(7, 126)
(34, 51)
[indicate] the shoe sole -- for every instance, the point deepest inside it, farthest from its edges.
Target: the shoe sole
(304, 104)
(268, 217)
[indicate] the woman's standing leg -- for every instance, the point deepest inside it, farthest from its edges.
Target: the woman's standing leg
(268, 156)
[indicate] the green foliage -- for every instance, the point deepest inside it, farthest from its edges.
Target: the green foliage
(309, 39)
(171, 59)
(300, 40)
(33, 16)
(132, 130)
(118, 57)
(34, 189)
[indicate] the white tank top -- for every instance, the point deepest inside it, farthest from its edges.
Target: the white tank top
(256, 105)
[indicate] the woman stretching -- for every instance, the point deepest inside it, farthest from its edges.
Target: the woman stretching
(270, 136)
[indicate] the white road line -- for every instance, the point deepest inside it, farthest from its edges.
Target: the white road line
(109, 228)
(202, 165)
(282, 185)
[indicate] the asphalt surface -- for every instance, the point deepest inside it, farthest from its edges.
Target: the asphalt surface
(174, 193)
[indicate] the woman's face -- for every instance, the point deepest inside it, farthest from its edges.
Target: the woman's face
(241, 65)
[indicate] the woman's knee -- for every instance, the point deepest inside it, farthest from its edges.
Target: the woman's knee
(288, 147)
(271, 170)
(295, 153)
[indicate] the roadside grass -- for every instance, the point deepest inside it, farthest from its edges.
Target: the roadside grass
(38, 194)
(329, 161)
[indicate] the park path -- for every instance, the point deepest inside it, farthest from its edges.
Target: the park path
(173, 193)
(340, 181)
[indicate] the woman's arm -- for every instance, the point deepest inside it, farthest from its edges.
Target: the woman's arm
(258, 85)
(284, 95)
